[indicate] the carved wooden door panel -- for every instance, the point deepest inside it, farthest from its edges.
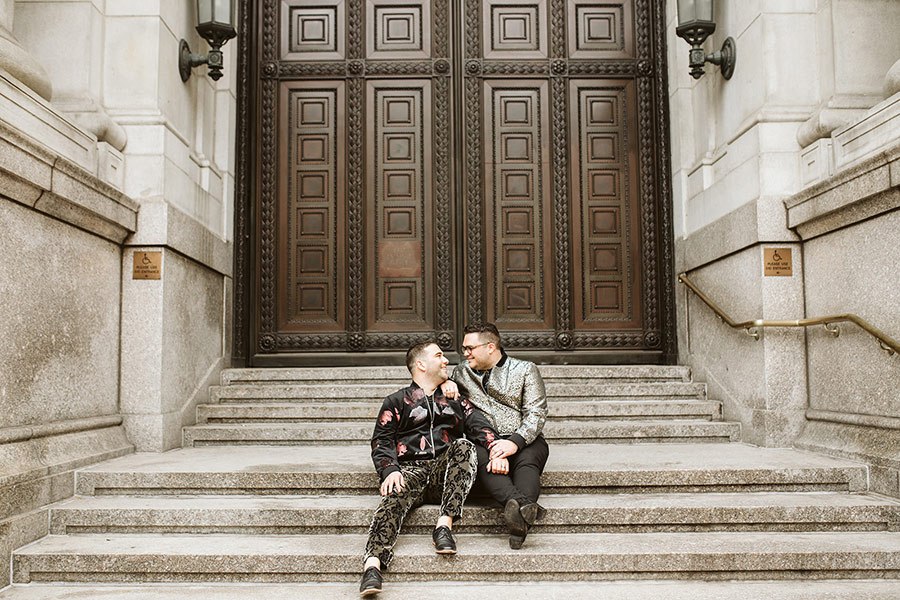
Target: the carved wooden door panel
(565, 196)
(426, 163)
(355, 207)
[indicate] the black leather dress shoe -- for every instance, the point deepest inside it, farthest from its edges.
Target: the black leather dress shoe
(371, 582)
(515, 522)
(532, 512)
(443, 540)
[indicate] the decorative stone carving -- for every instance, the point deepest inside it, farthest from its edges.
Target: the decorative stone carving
(823, 122)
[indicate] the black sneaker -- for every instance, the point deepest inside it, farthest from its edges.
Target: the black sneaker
(515, 521)
(443, 540)
(371, 582)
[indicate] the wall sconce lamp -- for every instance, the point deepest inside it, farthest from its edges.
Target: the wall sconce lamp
(695, 24)
(216, 18)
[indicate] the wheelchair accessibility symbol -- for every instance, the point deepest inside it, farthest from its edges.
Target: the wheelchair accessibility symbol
(778, 262)
(147, 265)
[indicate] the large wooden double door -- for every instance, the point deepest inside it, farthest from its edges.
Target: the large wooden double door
(409, 166)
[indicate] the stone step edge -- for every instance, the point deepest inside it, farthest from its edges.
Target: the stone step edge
(858, 589)
(608, 431)
(365, 482)
(112, 557)
(337, 389)
(667, 372)
(577, 409)
(559, 423)
(725, 512)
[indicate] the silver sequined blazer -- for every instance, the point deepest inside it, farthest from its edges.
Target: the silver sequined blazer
(515, 400)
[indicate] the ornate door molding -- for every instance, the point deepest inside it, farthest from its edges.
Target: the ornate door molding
(407, 166)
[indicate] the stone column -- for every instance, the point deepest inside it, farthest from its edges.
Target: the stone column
(14, 59)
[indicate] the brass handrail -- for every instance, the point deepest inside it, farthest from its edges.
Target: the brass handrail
(887, 343)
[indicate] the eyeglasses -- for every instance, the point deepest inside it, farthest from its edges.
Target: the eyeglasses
(469, 349)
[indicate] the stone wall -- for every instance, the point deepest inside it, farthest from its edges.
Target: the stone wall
(174, 145)
(788, 156)
(850, 223)
(105, 152)
(61, 230)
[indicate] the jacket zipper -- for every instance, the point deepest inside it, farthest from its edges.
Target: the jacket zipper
(430, 403)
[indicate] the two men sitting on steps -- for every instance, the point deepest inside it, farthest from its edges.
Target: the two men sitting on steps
(420, 454)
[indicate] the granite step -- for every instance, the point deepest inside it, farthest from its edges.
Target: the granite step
(866, 589)
(289, 412)
(595, 513)
(551, 556)
(362, 392)
(400, 376)
(629, 431)
(572, 468)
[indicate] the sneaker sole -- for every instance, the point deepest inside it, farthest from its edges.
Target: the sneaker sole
(445, 551)
(369, 592)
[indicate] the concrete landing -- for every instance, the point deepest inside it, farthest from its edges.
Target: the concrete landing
(577, 467)
(613, 590)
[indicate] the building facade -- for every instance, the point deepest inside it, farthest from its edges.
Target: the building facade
(368, 174)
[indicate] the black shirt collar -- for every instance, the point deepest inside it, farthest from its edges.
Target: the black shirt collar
(485, 375)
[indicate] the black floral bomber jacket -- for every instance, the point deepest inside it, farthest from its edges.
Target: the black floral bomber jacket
(412, 427)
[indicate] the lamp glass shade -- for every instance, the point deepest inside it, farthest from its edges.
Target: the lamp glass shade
(205, 10)
(690, 11)
(215, 11)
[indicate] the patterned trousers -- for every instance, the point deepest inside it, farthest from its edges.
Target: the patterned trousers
(445, 480)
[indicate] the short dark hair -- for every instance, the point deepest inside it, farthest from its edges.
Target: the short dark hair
(415, 353)
(487, 331)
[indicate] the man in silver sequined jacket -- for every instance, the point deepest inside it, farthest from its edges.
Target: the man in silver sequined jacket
(510, 392)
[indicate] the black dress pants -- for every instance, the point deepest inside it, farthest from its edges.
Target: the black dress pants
(524, 479)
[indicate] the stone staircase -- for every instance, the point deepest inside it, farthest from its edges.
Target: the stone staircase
(649, 495)
(613, 404)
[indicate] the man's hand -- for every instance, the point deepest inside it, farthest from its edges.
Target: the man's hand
(503, 448)
(450, 389)
(392, 483)
(499, 466)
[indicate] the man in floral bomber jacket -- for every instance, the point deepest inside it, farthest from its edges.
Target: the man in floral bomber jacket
(421, 456)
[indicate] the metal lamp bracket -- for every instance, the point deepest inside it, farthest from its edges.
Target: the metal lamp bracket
(187, 60)
(725, 58)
